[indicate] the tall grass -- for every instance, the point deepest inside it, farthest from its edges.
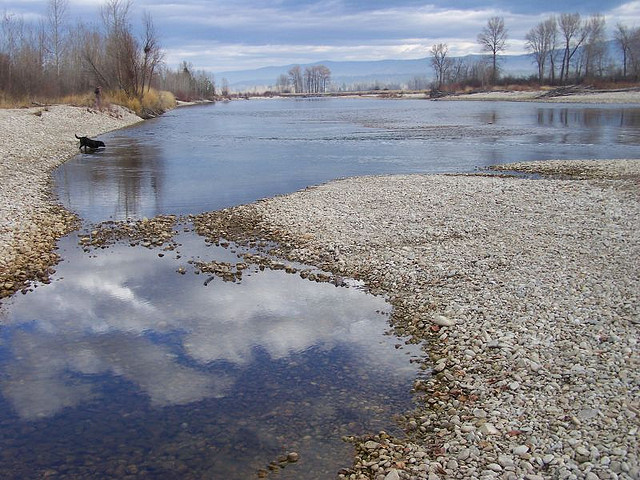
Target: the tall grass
(7, 101)
(153, 103)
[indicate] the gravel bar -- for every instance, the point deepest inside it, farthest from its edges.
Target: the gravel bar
(524, 293)
(33, 141)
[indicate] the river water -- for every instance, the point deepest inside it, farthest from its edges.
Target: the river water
(123, 367)
(210, 157)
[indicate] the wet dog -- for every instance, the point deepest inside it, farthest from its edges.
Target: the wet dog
(89, 143)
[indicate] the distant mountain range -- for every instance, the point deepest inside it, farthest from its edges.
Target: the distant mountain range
(382, 72)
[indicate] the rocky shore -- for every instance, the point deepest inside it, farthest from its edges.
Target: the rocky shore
(33, 141)
(524, 293)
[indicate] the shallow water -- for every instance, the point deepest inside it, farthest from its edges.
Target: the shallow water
(123, 366)
(214, 156)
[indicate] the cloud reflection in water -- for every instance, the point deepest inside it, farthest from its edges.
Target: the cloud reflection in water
(109, 314)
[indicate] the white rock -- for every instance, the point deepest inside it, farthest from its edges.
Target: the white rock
(371, 445)
(443, 321)
(505, 460)
(521, 450)
(464, 454)
(392, 475)
(489, 429)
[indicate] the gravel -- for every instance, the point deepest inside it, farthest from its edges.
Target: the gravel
(524, 293)
(33, 141)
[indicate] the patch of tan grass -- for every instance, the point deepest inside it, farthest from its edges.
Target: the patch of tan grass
(78, 99)
(153, 103)
(7, 101)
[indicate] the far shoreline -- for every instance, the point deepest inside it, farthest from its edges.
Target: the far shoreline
(559, 95)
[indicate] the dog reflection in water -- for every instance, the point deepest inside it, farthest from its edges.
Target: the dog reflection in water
(90, 144)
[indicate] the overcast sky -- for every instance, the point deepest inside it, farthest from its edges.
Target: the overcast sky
(221, 35)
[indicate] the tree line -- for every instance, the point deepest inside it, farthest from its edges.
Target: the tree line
(566, 49)
(54, 58)
(314, 79)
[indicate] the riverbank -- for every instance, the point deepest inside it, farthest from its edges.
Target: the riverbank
(559, 95)
(33, 141)
(524, 293)
(570, 94)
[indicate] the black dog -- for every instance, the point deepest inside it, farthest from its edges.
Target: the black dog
(87, 143)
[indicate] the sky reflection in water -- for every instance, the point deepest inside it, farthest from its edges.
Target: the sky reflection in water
(124, 323)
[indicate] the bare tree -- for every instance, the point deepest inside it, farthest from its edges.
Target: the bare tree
(225, 87)
(12, 33)
(315, 79)
(440, 62)
(295, 74)
(151, 54)
(57, 41)
(552, 30)
(594, 50)
(283, 84)
(459, 72)
(634, 53)
(324, 77)
(120, 61)
(119, 68)
(623, 36)
(574, 35)
(540, 41)
(493, 39)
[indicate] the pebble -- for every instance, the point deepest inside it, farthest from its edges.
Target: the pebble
(505, 461)
(443, 321)
(464, 454)
(440, 365)
(489, 429)
(392, 475)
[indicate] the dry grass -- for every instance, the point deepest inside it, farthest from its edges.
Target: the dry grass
(153, 103)
(10, 102)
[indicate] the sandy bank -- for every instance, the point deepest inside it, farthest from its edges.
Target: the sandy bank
(526, 296)
(33, 141)
(606, 97)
